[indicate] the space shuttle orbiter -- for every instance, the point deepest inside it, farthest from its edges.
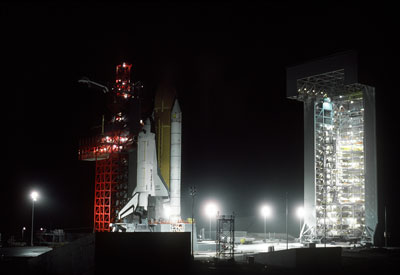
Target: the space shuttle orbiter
(149, 182)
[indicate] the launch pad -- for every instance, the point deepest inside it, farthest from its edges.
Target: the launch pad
(138, 161)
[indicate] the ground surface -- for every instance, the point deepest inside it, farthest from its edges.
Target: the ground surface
(25, 251)
(355, 260)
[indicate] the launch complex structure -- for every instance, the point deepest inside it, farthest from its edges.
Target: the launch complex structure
(137, 161)
(138, 158)
(340, 177)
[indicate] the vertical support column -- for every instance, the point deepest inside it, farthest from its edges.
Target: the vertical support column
(371, 187)
(99, 196)
(309, 168)
(106, 180)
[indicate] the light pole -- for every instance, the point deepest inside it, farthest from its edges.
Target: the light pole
(211, 211)
(34, 197)
(300, 215)
(385, 233)
(193, 194)
(266, 213)
(23, 231)
(287, 235)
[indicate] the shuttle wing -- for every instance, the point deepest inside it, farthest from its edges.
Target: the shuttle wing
(130, 207)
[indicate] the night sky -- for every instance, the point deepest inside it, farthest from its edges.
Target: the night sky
(242, 139)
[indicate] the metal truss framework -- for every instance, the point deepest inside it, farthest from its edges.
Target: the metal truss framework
(339, 166)
(225, 236)
(110, 148)
(331, 83)
(111, 182)
(339, 176)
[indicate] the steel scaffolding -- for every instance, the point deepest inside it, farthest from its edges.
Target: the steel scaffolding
(225, 236)
(338, 115)
(110, 190)
(339, 166)
(110, 149)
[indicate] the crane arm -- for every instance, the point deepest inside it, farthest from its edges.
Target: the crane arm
(90, 82)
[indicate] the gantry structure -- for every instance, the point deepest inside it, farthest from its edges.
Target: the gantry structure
(340, 181)
(111, 148)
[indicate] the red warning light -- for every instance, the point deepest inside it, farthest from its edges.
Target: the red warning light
(123, 80)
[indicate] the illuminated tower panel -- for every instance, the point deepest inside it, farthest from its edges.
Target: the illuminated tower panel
(339, 165)
(340, 183)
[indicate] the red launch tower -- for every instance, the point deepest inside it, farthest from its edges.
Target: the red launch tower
(109, 150)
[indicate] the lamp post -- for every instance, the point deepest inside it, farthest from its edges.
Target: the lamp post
(385, 233)
(211, 211)
(34, 197)
(287, 235)
(23, 231)
(266, 213)
(193, 194)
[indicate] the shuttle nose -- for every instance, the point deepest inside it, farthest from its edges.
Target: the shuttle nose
(147, 126)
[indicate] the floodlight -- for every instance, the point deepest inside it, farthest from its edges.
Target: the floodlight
(266, 211)
(300, 212)
(34, 195)
(211, 209)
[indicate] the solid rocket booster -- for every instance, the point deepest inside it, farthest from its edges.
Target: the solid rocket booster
(175, 170)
